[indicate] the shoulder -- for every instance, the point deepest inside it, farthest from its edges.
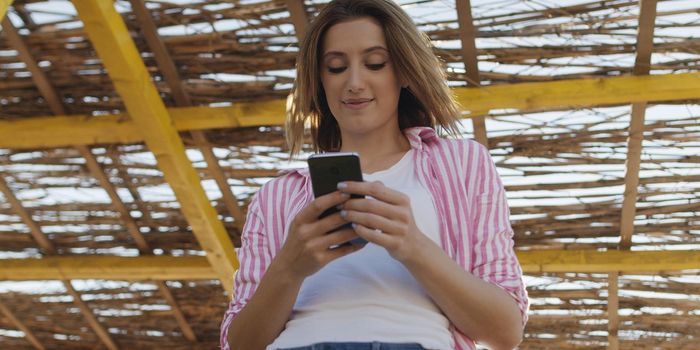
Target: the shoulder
(287, 180)
(274, 193)
(460, 152)
(457, 144)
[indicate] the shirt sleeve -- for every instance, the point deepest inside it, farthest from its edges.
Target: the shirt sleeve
(495, 260)
(254, 257)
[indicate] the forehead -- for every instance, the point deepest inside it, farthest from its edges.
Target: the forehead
(353, 36)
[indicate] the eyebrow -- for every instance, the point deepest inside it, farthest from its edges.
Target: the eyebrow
(367, 50)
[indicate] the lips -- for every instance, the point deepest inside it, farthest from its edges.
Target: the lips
(357, 103)
(357, 100)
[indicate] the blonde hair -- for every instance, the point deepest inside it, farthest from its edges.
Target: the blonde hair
(426, 102)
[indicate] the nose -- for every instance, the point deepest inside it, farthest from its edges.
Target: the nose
(356, 80)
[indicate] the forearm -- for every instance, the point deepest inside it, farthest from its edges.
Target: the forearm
(483, 311)
(266, 313)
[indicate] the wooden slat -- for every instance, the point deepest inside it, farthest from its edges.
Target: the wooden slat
(467, 33)
(613, 317)
(49, 93)
(230, 200)
(297, 13)
(113, 154)
(160, 53)
(114, 45)
(90, 317)
(20, 325)
(23, 14)
(97, 172)
(107, 267)
(632, 166)
(135, 233)
(645, 44)
(4, 5)
(48, 132)
(56, 106)
(197, 268)
(645, 37)
(182, 99)
(42, 241)
(38, 76)
(179, 316)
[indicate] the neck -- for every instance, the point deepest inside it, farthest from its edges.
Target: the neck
(376, 148)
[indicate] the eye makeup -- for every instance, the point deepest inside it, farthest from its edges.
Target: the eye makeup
(373, 66)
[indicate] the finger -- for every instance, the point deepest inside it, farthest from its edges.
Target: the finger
(374, 221)
(341, 252)
(329, 223)
(374, 189)
(336, 238)
(375, 236)
(320, 204)
(378, 207)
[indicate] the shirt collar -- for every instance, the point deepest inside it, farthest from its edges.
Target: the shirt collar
(416, 136)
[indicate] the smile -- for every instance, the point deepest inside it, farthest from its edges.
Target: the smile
(359, 104)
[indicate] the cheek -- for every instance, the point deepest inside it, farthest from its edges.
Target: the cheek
(390, 84)
(330, 87)
(391, 91)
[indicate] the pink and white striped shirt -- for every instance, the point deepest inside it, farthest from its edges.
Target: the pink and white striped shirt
(471, 203)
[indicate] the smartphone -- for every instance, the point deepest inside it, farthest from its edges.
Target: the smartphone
(327, 169)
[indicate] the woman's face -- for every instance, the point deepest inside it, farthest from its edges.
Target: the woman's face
(359, 78)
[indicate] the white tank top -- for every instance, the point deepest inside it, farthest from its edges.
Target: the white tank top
(368, 296)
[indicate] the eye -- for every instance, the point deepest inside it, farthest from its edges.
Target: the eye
(377, 66)
(336, 70)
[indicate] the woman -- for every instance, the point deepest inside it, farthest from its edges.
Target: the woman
(439, 271)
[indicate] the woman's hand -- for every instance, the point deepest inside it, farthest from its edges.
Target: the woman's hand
(386, 219)
(307, 247)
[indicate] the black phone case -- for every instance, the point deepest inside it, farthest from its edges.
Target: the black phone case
(326, 171)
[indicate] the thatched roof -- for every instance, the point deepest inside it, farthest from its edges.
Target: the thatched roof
(97, 251)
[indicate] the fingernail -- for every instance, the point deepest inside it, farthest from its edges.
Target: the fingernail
(354, 225)
(343, 213)
(342, 185)
(345, 195)
(339, 207)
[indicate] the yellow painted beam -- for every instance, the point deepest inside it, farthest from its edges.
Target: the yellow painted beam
(608, 261)
(115, 47)
(197, 268)
(107, 267)
(64, 131)
(588, 92)
(4, 5)
(61, 131)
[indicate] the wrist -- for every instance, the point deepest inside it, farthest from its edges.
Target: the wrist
(416, 253)
(284, 273)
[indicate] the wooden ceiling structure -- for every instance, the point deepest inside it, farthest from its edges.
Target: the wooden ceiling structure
(132, 135)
